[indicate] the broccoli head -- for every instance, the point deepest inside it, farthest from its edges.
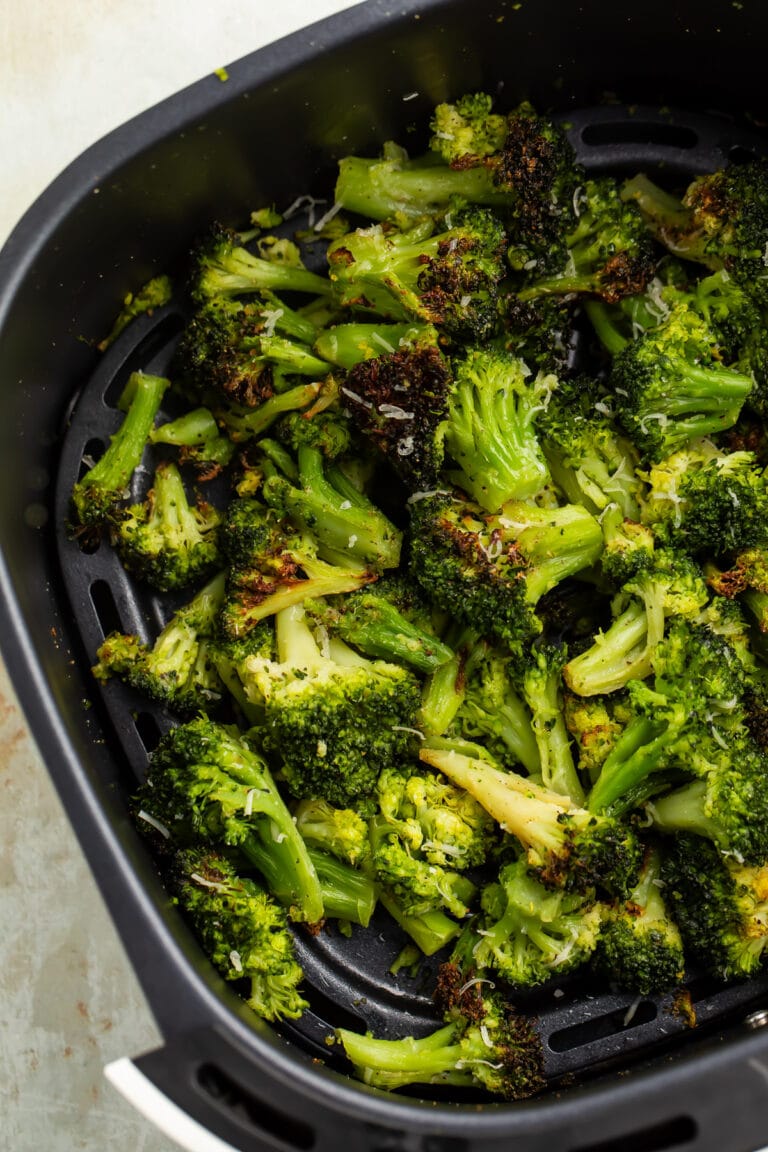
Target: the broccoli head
(465, 132)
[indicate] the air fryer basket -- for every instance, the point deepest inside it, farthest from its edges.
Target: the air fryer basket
(624, 1074)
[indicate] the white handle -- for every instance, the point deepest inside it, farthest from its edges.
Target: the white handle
(171, 1120)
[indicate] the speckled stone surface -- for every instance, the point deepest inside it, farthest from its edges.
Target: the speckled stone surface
(69, 1002)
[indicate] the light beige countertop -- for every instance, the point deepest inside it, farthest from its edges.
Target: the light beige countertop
(69, 1002)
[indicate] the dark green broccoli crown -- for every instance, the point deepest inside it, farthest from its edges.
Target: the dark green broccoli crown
(492, 571)
(600, 851)
(250, 531)
(490, 428)
(537, 167)
(528, 933)
(720, 905)
(705, 501)
(538, 330)
(219, 350)
(641, 958)
(608, 250)
(629, 550)
(465, 132)
(730, 221)
(670, 387)
(697, 665)
(399, 400)
(243, 931)
(165, 540)
(328, 431)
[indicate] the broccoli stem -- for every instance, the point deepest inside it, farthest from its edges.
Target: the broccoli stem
(601, 316)
(541, 688)
(347, 893)
(191, 430)
(622, 653)
(348, 344)
(639, 751)
(395, 1063)
(242, 272)
(296, 645)
(247, 423)
(669, 220)
(380, 630)
(380, 189)
(684, 810)
(430, 931)
(106, 482)
(445, 689)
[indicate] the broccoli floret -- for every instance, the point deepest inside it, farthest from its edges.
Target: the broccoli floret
(237, 352)
(340, 831)
(98, 493)
(207, 783)
(666, 583)
(398, 400)
(242, 424)
(467, 131)
(540, 332)
(567, 846)
(196, 434)
(243, 931)
(490, 1047)
(489, 428)
(490, 710)
(595, 724)
(589, 460)
(449, 279)
(670, 386)
(179, 669)
(721, 221)
(372, 621)
(528, 933)
(720, 905)
(608, 251)
(640, 946)
(156, 293)
(221, 267)
(541, 684)
(491, 571)
(346, 524)
(707, 501)
(165, 540)
(333, 722)
(328, 431)
(271, 568)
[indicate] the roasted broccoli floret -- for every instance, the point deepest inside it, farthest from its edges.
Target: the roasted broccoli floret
(271, 568)
(640, 947)
(595, 724)
(340, 831)
(670, 386)
(706, 501)
(588, 458)
(207, 783)
(721, 221)
(465, 132)
(97, 494)
(332, 721)
(608, 250)
(566, 846)
(237, 352)
(485, 1044)
(388, 621)
(199, 440)
(154, 294)
(348, 527)
(721, 906)
(220, 267)
(529, 933)
(243, 931)
(165, 540)
(491, 571)
(490, 709)
(541, 684)
(449, 278)
(179, 669)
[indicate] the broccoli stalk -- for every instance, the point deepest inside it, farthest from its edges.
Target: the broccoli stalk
(221, 267)
(346, 345)
(445, 689)
(208, 784)
(566, 845)
(542, 691)
(430, 931)
(347, 894)
(487, 708)
(196, 434)
(243, 931)
(243, 424)
(97, 494)
(490, 1048)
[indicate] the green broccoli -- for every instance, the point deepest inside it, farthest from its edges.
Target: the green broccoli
(179, 669)
(221, 267)
(490, 710)
(721, 906)
(640, 947)
(156, 293)
(465, 132)
(196, 434)
(340, 831)
(243, 931)
(566, 846)
(208, 784)
(98, 493)
(165, 540)
(332, 721)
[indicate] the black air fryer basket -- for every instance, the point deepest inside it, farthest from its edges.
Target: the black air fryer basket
(673, 90)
